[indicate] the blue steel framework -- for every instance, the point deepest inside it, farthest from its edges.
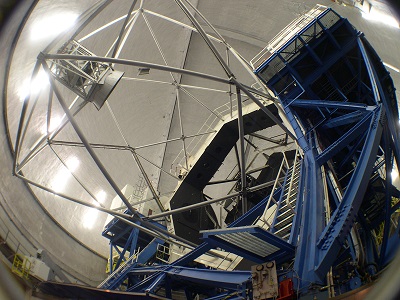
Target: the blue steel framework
(341, 103)
(336, 197)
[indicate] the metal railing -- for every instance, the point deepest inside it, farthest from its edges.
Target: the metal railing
(21, 266)
(13, 242)
(209, 126)
(286, 34)
(124, 265)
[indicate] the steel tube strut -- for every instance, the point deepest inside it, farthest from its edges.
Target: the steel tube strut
(133, 63)
(205, 37)
(242, 159)
(205, 203)
(102, 168)
(121, 33)
(146, 178)
(86, 142)
(263, 108)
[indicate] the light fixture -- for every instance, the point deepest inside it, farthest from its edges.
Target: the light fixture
(395, 174)
(391, 67)
(101, 196)
(33, 86)
(47, 27)
(55, 121)
(72, 163)
(90, 217)
(379, 16)
(59, 181)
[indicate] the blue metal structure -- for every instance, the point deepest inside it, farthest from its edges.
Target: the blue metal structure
(332, 204)
(340, 101)
(141, 248)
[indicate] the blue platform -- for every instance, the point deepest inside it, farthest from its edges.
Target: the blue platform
(251, 242)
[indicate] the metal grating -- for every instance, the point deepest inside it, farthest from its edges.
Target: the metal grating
(249, 242)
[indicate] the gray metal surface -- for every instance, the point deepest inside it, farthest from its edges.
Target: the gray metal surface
(149, 109)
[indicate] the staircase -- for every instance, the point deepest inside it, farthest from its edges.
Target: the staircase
(120, 274)
(282, 224)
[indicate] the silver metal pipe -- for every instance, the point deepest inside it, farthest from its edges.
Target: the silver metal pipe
(205, 37)
(206, 21)
(86, 142)
(109, 211)
(39, 146)
(21, 123)
(208, 202)
(146, 178)
(133, 63)
(263, 108)
(120, 216)
(181, 127)
(121, 33)
(242, 152)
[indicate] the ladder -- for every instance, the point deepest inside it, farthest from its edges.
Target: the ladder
(119, 275)
(282, 224)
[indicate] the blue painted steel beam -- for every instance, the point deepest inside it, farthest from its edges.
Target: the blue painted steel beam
(393, 121)
(388, 196)
(306, 27)
(313, 220)
(230, 280)
(133, 236)
(330, 104)
(283, 250)
(352, 151)
(344, 119)
(244, 220)
(344, 140)
(147, 253)
(342, 219)
(154, 280)
(120, 234)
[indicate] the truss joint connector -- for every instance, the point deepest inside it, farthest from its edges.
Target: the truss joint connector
(41, 57)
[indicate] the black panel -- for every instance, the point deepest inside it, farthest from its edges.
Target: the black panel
(190, 191)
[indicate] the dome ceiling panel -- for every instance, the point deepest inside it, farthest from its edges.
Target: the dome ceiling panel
(145, 102)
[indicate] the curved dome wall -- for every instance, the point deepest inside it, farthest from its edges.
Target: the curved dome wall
(247, 26)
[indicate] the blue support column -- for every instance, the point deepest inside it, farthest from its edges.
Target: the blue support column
(342, 220)
(388, 198)
(111, 258)
(312, 217)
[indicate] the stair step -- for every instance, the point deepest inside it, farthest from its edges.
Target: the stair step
(293, 193)
(284, 214)
(284, 222)
(285, 206)
(283, 231)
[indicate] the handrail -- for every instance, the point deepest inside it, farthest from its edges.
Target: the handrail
(272, 193)
(291, 182)
(208, 126)
(286, 34)
(12, 241)
(120, 268)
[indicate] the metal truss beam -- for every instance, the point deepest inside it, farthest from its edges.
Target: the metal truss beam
(342, 220)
